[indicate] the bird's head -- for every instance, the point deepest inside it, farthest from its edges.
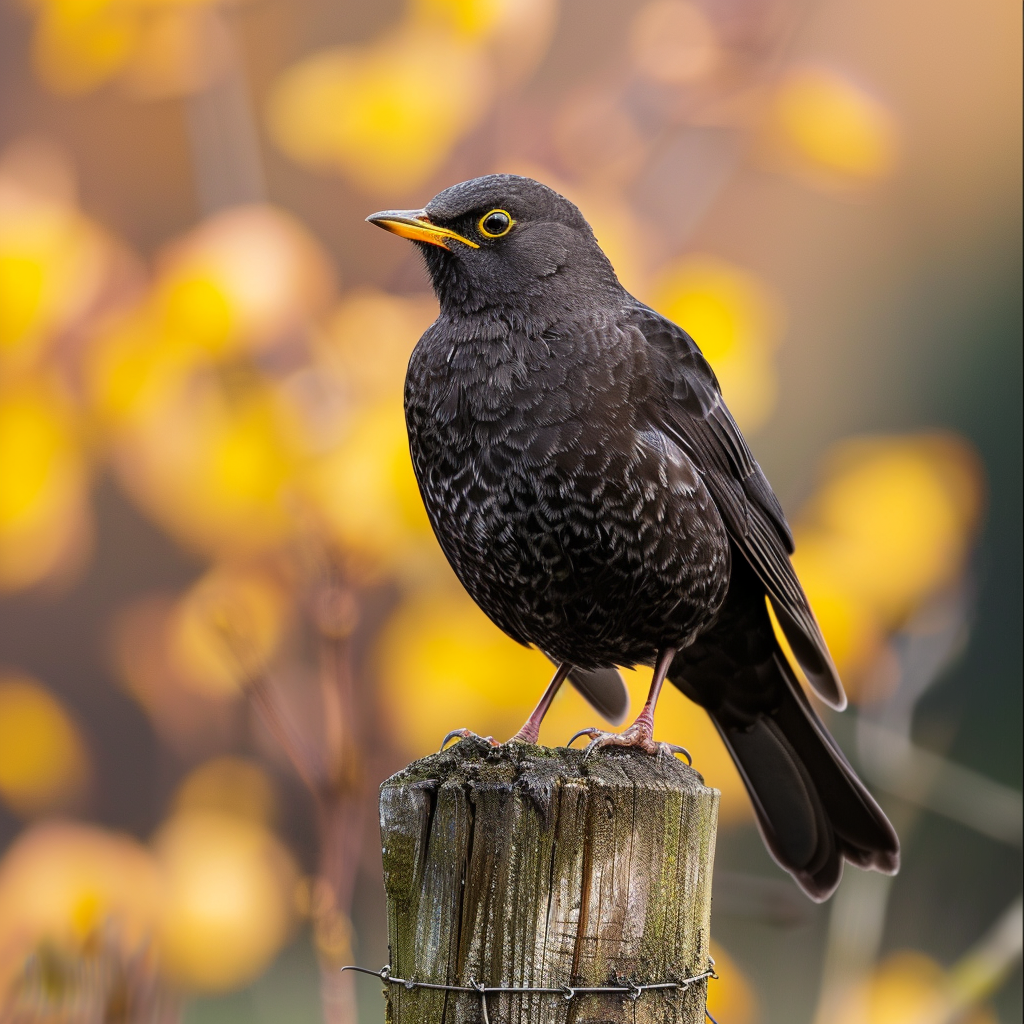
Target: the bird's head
(506, 245)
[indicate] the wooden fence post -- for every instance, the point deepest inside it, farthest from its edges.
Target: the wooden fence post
(528, 867)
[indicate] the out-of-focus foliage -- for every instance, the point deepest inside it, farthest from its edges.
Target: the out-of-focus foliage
(907, 988)
(831, 131)
(44, 761)
(212, 899)
(155, 49)
(388, 113)
(61, 882)
(890, 526)
(736, 321)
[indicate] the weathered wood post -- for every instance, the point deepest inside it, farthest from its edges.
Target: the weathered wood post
(527, 867)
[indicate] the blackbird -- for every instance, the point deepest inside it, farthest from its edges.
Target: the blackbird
(594, 495)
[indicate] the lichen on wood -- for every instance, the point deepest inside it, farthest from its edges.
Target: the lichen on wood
(527, 866)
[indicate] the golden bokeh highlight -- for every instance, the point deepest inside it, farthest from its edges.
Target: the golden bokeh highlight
(371, 335)
(228, 888)
(62, 882)
(226, 628)
(736, 321)
(366, 497)
(43, 486)
(443, 664)
(154, 48)
(244, 278)
(385, 114)
(907, 988)
(44, 761)
(890, 525)
(731, 999)
(832, 128)
(228, 785)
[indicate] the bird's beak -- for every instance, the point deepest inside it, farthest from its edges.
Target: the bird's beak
(415, 224)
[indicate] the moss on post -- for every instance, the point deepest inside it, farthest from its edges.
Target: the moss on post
(525, 866)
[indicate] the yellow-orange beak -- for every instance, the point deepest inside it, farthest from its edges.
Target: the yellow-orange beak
(415, 224)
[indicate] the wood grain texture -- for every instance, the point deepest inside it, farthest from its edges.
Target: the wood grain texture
(526, 866)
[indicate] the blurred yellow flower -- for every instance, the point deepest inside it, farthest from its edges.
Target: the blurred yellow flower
(43, 485)
(386, 114)
(372, 335)
(833, 127)
(889, 526)
(894, 517)
(907, 988)
(53, 261)
(731, 998)
(157, 47)
(60, 882)
(736, 320)
(443, 665)
(231, 786)
(44, 764)
(228, 888)
(212, 463)
(245, 278)
(516, 33)
(366, 495)
(226, 626)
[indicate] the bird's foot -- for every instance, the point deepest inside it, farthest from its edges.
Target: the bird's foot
(640, 734)
(467, 734)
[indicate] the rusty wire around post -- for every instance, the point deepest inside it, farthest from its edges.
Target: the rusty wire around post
(631, 990)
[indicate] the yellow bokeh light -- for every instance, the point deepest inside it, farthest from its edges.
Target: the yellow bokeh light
(366, 495)
(372, 335)
(60, 882)
(53, 261)
(43, 512)
(228, 785)
(907, 988)
(894, 518)
(243, 278)
(731, 998)
(386, 114)
(43, 761)
(226, 626)
(81, 43)
(736, 320)
(228, 899)
(213, 463)
(834, 126)
(444, 665)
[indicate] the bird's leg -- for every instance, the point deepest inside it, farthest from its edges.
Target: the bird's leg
(531, 728)
(641, 732)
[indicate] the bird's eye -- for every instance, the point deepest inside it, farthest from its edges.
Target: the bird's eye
(495, 224)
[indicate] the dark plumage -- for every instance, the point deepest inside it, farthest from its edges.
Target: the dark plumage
(596, 498)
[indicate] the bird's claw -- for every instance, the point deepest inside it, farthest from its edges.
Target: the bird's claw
(635, 736)
(467, 734)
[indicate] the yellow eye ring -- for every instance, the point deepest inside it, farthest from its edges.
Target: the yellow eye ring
(502, 221)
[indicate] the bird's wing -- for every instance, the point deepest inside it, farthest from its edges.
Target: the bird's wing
(694, 415)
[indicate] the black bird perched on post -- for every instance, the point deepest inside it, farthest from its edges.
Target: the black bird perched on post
(596, 498)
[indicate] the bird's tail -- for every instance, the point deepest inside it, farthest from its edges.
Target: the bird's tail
(812, 810)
